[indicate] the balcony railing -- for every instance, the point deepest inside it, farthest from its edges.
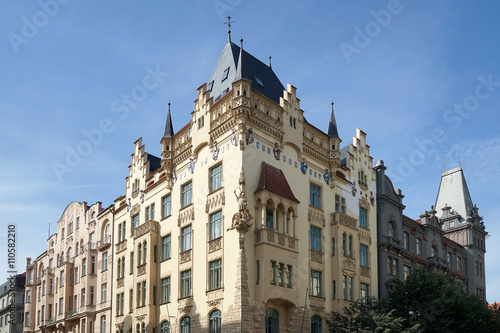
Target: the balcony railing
(104, 243)
(268, 236)
(215, 244)
(186, 256)
(144, 228)
(122, 246)
(344, 219)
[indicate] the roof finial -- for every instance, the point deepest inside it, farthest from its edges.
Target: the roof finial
(270, 61)
(168, 106)
(241, 42)
(332, 126)
(332, 105)
(229, 27)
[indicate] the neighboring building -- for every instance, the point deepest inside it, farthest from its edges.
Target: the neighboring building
(431, 242)
(250, 213)
(12, 304)
(461, 223)
(68, 287)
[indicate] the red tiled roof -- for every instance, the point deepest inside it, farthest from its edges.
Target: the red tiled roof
(273, 180)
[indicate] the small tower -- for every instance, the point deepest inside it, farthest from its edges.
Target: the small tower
(167, 146)
(333, 134)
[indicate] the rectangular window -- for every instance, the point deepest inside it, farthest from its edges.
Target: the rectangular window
(143, 293)
(281, 274)
(315, 196)
(104, 261)
(83, 296)
(147, 214)
(363, 218)
(118, 299)
(273, 272)
(315, 239)
(333, 246)
(406, 272)
(166, 206)
(215, 274)
(165, 247)
(152, 211)
(187, 192)
(61, 305)
(289, 274)
(215, 225)
(342, 205)
(131, 300)
(135, 223)
(92, 265)
(27, 320)
(344, 244)
(337, 203)
(186, 239)
(216, 178)
(28, 296)
(316, 283)
(363, 289)
(139, 290)
(186, 283)
(131, 262)
(334, 290)
(258, 272)
(363, 255)
(62, 279)
(344, 286)
(351, 288)
(104, 292)
(165, 290)
(91, 296)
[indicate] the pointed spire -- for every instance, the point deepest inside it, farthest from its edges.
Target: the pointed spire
(332, 127)
(239, 68)
(169, 128)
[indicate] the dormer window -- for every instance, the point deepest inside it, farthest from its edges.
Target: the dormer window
(225, 91)
(259, 81)
(225, 75)
(211, 85)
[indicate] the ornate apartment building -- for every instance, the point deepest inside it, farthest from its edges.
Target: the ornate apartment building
(249, 213)
(451, 241)
(68, 287)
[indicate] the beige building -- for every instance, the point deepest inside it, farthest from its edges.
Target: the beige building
(250, 213)
(68, 287)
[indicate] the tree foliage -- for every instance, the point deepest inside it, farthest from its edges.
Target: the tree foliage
(425, 302)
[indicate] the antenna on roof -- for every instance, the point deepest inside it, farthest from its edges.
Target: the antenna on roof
(229, 27)
(270, 61)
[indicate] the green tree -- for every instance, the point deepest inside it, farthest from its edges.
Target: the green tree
(439, 303)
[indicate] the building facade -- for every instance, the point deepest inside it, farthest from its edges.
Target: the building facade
(441, 242)
(68, 287)
(12, 304)
(249, 213)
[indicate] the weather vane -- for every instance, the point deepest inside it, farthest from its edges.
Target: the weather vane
(229, 26)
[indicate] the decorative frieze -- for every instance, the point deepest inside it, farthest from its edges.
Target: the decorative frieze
(344, 220)
(215, 201)
(316, 216)
(186, 216)
(267, 236)
(316, 256)
(214, 245)
(186, 256)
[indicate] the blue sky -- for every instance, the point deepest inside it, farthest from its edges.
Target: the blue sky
(422, 79)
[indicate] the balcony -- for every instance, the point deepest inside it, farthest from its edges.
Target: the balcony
(122, 246)
(316, 256)
(274, 238)
(141, 270)
(345, 220)
(145, 228)
(365, 271)
(104, 243)
(49, 271)
(391, 240)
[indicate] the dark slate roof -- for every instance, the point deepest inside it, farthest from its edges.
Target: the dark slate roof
(169, 128)
(332, 126)
(252, 70)
(154, 162)
(273, 180)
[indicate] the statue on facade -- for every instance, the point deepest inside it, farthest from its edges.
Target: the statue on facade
(241, 219)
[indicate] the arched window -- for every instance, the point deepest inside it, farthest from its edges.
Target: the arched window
(215, 321)
(138, 328)
(107, 234)
(406, 240)
(70, 254)
(143, 328)
(418, 245)
(272, 321)
(103, 324)
(316, 324)
(165, 327)
(390, 229)
(186, 325)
